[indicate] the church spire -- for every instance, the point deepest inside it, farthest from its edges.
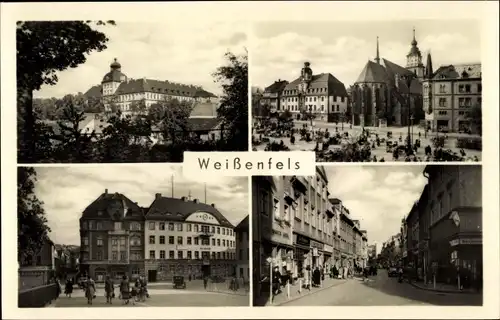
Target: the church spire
(414, 41)
(428, 68)
(377, 58)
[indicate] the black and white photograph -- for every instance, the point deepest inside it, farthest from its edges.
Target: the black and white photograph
(369, 236)
(368, 91)
(131, 236)
(121, 91)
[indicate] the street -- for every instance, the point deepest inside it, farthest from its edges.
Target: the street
(381, 290)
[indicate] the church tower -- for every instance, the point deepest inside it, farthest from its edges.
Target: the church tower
(414, 59)
(113, 79)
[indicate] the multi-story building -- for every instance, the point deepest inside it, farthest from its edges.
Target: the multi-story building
(346, 235)
(364, 248)
(412, 236)
(380, 94)
(271, 96)
(449, 94)
(112, 237)
(186, 237)
(320, 95)
(372, 252)
(424, 233)
(242, 250)
(454, 207)
(37, 269)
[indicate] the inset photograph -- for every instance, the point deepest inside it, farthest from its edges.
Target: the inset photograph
(368, 91)
(116, 91)
(369, 236)
(131, 236)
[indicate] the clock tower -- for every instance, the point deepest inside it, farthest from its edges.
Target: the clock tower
(414, 59)
(306, 75)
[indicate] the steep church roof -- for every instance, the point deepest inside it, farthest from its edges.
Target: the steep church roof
(372, 73)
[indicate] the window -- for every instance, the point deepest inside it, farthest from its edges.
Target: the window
(99, 225)
(123, 255)
(171, 254)
(114, 242)
(461, 102)
(223, 231)
(218, 242)
(162, 239)
(196, 254)
(240, 257)
(118, 226)
(99, 255)
(196, 228)
(205, 242)
(442, 88)
(151, 239)
(442, 113)
(161, 226)
(114, 255)
(213, 241)
(224, 255)
(467, 88)
(170, 227)
(135, 241)
(264, 204)
(162, 254)
(189, 255)
(179, 227)
(213, 229)
(223, 242)
(188, 227)
(479, 88)
(151, 254)
(99, 242)
(85, 241)
(135, 226)
(213, 255)
(188, 240)
(218, 255)
(151, 226)
(123, 242)
(179, 240)
(196, 241)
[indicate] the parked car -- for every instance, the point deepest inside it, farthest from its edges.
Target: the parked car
(392, 272)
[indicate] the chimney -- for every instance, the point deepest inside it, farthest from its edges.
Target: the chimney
(213, 205)
(105, 191)
(196, 201)
(157, 196)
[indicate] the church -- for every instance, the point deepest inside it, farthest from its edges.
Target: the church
(380, 95)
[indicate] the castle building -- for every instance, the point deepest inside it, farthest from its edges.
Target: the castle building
(449, 94)
(380, 94)
(320, 95)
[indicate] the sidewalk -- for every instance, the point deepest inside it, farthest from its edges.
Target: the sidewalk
(282, 298)
(443, 287)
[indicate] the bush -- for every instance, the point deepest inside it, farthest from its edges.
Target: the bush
(274, 146)
(469, 143)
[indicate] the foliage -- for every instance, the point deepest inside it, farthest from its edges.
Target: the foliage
(469, 143)
(43, 48)
(32, 228)
(233, 110)
(275, 146)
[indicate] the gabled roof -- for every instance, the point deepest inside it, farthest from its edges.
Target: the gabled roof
(373, 73)
(243, 225)
(276, 87)
(173, 209)
(115, 206)
(459, 71)
(323, 80)
(93, 92)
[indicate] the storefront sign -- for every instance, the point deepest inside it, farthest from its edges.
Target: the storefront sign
(303, 241)
(466, 241)
(316, 245)
(328, 248)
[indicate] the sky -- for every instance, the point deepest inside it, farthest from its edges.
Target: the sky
(278, 50)
(186, 52)
(67, 191)
(378, 196)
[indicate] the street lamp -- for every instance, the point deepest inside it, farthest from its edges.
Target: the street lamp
(408, 79)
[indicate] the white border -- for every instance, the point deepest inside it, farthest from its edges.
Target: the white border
(487, 12)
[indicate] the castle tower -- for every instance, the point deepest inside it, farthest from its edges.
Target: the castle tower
(112, 79)
(414, 59)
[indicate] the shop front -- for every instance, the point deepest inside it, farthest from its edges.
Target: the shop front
(328, 253)
(302, 256)
(318, 258)
(467, 257)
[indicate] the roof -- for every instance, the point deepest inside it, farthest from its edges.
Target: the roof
(204, 94)
(203, 124)
(459, 71)
(243, 225)
(165, 87)
(173, 209)
(116, 206)
(114, 76)
(277, 86)
(91, 122)
(373, 73)
(335, 87)
(94, 92)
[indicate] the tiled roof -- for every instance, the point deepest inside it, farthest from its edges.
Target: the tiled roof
(373, 73)
(277, 86)
(178, 210)
(203, 124)
(113, 205)
(243, 225)
(94, 92)
(335, 87)
(90, 122)
(459, 71)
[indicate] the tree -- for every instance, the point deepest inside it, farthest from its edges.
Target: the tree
(43, 48)
(475, 116)
(233, 110)
(171, 118)
(32, 228)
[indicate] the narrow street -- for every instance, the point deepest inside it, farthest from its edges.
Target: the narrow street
(381, 290)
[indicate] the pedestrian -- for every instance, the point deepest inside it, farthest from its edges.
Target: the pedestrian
(205, 281)
(68, 290)
(90, 290)
(307, 278)
(125, 290)
(109, 288)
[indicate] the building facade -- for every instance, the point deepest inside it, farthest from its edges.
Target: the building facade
(449, 95)
(413, 237)
(364, 248)
(381, 96)
(454, 208)
(272, 95)
(321, 96)
(37, 269)
(346, 235)
(242, 250)
(189, 238)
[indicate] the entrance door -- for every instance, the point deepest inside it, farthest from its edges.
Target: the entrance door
(152, 275)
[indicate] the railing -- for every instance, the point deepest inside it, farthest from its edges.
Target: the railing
(38, 297)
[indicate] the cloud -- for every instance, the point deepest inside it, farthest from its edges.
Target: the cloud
(184, 52)
(67, 191)
(378, 196)
(281, 55)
